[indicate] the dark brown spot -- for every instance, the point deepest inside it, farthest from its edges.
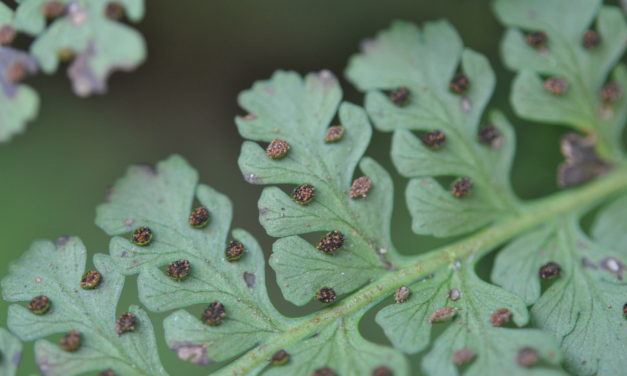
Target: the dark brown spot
(304, 194)
(107, 372)
(550, 270)
(326, 295)
(382, 371)
(53, 9)
(537, 39)
(40, 305)
(400, 96)
(334, 134)
(114, 10)
(443, 315)
(126, 323)
(280, 358)
(490, 135)
(625, 310)
(142, 236)
(179, 270)
(234, 250)
(500, 316)
(591, 39)
(556, 85)
(582, 162)
(277, 149)
(199, 217)
(214, 314)
(91, 280)
(463, 356)
(7, 34)
(611, 92)
(324, 371)
(71, 341)
(459, 84)
(331, 242)
(360, 187)
(527, 357)
(434, 139)
(402, 294)
(454, 294)
(461, 187)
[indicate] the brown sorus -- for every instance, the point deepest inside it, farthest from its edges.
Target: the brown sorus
(179, 270)
(114, 10)
(434, 139)
(334, 134)
(16, 72)
(550, 270)
(142, 236)
(7, 34)
(331, 242)
(71, 341)
(214, 314)
(591, 39)
(400, 96)
(537, 39)
(360, 187)
(527, 357)
(91, 280)
(326, 295)
(280, 358)
(625, 310)
(107, 372)
(382, 371)
(277, 149)
(500, 316)
(126, 323)
(463, 356)
(324, 371)
(39, 305)
(53, 9)
(304, 194)
(442, 315)
(461, 187)
(199, 217)
(402, 294)
(556, 85)
(611, 92)
(234, 250)
(459, 84)
(490, 135)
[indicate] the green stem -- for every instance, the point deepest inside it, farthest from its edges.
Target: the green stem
(532, 214)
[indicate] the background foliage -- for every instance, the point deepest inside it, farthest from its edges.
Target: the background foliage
(183, 100)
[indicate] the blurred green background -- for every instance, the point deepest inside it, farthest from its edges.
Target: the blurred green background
(183, 100)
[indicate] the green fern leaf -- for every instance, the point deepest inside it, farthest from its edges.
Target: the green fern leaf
(18, 103)
(583, 308)
(100, 45)
(475, 328)
(162, 199)
(300, 112)
(55, 271)
(10, 353)
(583, 63)
(425, 62)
